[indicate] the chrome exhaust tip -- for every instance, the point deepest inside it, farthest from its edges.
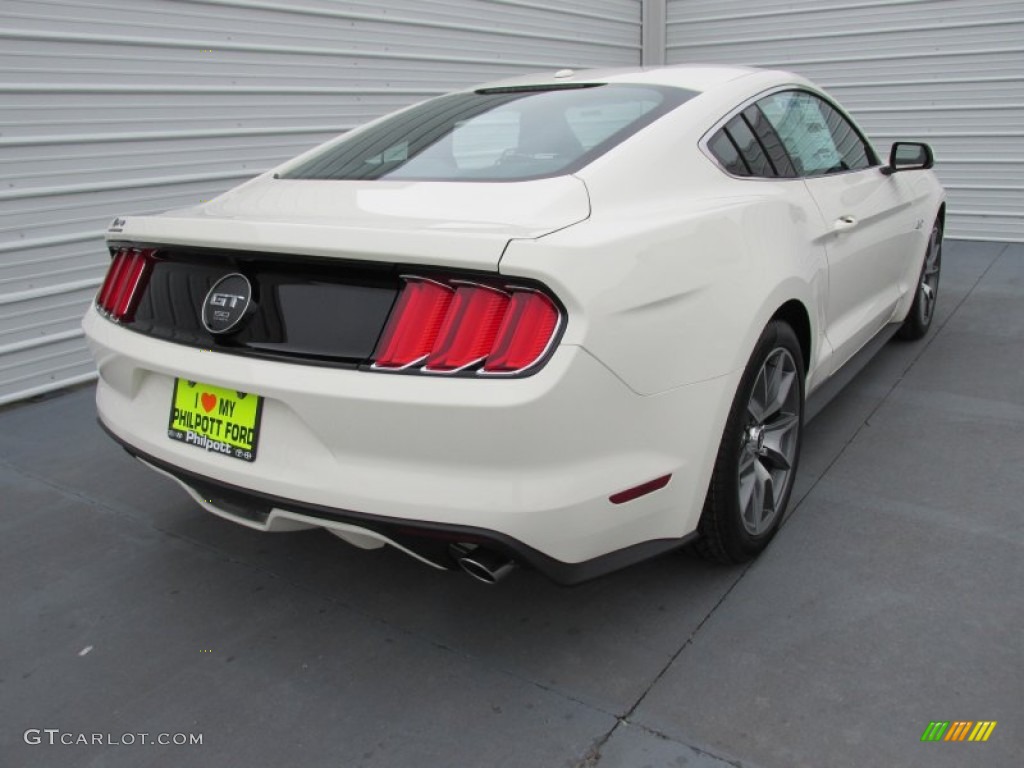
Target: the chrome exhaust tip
(485, 565)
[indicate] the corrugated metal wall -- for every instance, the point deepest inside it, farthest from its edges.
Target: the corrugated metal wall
(134, 106)
(950, 72)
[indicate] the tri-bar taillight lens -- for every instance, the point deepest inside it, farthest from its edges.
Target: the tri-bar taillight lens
(446, 327)
(125, 281)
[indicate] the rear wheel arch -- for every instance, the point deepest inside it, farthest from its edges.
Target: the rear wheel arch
(795, 315)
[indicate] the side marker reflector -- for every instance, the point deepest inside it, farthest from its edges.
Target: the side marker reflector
(640, 490)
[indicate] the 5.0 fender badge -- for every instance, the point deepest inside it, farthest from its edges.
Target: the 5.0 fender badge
(227, 303)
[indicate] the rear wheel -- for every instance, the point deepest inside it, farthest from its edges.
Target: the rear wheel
(919, 319)
(760, 449)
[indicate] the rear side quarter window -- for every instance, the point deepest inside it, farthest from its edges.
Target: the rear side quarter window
(748, 146)
(728, 156)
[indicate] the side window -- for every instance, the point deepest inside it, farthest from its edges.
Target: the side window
(817, 137)
(748, 146)
(722, 147)
(770, 141)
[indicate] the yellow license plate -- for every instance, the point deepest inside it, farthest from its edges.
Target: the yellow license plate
(215, 419)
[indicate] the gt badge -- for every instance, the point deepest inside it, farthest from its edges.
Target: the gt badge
(227, 303)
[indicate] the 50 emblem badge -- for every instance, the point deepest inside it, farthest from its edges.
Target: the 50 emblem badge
(227, 303)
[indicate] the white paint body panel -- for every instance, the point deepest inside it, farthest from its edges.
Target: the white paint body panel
(872, 247)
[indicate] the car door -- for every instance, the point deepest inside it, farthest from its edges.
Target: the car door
(864, 216)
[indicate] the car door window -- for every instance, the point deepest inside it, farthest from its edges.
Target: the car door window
(818, 138)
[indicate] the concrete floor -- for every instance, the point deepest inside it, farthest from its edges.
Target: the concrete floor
(892, 597)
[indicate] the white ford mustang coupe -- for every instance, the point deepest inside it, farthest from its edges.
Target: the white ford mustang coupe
(569, 321)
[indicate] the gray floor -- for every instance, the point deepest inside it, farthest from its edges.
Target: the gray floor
(892, 597)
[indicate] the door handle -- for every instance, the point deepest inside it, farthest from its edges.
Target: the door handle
(844, 223)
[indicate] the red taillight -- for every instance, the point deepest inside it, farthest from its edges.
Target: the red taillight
(128, 286)
(525, 333)
(124, 282)
(439, 328)
(413, 326)
(112, 278)
(469, 330)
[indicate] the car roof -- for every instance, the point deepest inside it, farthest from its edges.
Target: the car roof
(694, 77)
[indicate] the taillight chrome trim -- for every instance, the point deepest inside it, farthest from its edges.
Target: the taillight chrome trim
(143, 273)
(397, 368)
(460, 369)
(506, 289)
(555, 335)
(420, 278)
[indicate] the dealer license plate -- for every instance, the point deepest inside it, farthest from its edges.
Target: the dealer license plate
(215, 419)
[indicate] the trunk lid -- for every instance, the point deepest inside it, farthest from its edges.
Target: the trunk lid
(446, 224)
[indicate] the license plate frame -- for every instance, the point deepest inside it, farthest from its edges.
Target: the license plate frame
(208, 417)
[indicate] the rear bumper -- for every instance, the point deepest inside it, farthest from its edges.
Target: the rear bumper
(428, 542)
(526, 465)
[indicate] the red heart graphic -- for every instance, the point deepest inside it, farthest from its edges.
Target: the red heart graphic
(209, 401)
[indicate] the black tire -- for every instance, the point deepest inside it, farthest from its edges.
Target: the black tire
(922, 311)
(733, 530)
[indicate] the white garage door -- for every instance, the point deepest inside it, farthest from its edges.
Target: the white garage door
(134, 106)
(950, 72)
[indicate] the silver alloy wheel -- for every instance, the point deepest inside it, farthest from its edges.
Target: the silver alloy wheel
(928, 288)
(769, 442)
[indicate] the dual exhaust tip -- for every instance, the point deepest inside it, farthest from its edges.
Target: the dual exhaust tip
(484, 565)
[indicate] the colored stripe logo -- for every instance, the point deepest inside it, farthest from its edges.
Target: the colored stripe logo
(958, 730)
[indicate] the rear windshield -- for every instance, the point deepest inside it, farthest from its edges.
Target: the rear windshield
(495, 134)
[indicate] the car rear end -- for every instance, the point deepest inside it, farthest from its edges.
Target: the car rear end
(345, 353)
(503, 437)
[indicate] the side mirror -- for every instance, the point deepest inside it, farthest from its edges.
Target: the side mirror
(909, 156)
